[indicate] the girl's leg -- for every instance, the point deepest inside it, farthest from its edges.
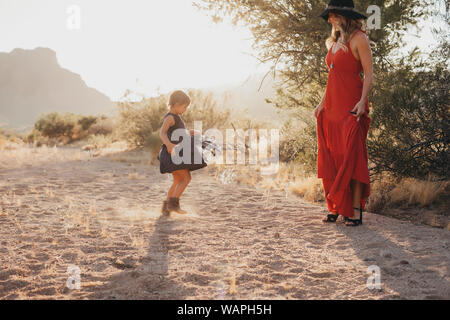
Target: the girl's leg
(357, 190)
(186, 178)
(181, 180)
(177, 178)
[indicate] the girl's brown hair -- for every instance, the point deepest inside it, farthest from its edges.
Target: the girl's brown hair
(178, 97)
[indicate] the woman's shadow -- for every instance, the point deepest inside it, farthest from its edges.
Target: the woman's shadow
(406, 258)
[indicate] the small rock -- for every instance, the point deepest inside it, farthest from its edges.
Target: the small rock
(277, 235)
(125, 263)
(89, 147)
(387, 255)
(403, 262)
(369, 259)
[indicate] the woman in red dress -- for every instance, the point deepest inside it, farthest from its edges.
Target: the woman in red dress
(343, 115)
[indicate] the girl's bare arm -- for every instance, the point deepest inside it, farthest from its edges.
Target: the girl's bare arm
(193, 132)
(168, 122)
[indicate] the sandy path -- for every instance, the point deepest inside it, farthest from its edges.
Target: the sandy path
(60, 207)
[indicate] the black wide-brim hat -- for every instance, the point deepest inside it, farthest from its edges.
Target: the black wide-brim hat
(345, 8)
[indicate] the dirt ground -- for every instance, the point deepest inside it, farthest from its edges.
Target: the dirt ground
(70, 218)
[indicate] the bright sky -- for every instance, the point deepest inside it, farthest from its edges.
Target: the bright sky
(162, 43)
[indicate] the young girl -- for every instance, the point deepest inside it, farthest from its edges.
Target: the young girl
(178, 103)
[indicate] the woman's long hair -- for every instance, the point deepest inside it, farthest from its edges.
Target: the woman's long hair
(348, 26)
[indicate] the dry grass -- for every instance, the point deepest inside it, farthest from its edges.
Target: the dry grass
(386, 192)
(246, 176)
(100, 141)
(418, 192)
(10, 145)
(134, 156)
(379, 196)
(10, 140)
(309, 188)
(136, 176)
(289, 177)
(19, 155)
(3, 142)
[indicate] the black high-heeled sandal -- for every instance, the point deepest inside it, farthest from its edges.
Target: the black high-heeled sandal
(331, 218)
(355, 222)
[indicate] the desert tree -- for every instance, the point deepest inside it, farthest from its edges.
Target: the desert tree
(290, 37)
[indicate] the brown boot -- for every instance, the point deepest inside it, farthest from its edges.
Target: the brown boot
(174, 205)
(165, 210)
(179, 210)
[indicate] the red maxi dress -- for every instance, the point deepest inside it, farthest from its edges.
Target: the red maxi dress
(342, 149)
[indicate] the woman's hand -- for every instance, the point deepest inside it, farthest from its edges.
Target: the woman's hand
(318, 109)
(360, 109)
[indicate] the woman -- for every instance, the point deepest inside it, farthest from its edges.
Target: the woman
(342, 115)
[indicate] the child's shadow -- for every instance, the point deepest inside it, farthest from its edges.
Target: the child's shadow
(150, 279)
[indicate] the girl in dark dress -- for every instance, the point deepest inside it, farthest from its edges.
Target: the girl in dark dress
(178, 103)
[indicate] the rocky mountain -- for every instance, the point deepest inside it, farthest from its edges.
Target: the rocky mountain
(32, 82)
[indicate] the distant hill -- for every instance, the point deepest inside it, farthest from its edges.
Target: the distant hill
(247, 96)
(32, 82)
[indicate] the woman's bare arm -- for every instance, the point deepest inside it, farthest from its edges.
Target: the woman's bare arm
(365, 55)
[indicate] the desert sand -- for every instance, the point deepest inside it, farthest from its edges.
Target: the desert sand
(66, 209)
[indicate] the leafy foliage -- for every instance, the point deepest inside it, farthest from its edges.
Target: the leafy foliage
(140, 122)
(412, 132)
(291, 36)
(55, 125)
(409, 101)
(205, 108)
(65, 128)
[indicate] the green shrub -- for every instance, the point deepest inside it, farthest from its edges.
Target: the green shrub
(298, 144)
(103, 126)
(87, 121)
(204, 108)
(55, 125)
(411, 128)
(63, 128)
(140, 122)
